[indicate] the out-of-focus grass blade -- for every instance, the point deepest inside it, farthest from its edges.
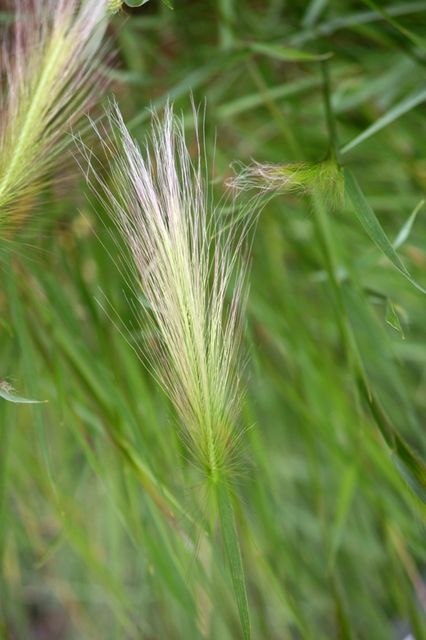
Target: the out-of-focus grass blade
(342, 618)
(344, 500)
(164, 500)
(419, 488)
(26, 347)
(190, 81)
(168, 563)
(406, 227)
(372, 226)
(413, 37)
(392, 317)
(93, 380)
(352, 21)
(395, 442)
(226, 13)
(393, 114)
(286, 54)
(233, 555)
(411, 467)
(253, 100)
(313, 12)
(10, 397)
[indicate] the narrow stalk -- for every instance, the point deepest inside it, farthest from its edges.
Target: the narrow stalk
(233, 553)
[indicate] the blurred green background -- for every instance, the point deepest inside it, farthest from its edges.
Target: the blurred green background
(330, 517)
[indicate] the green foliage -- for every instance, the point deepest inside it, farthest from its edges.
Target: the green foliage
(105, 531)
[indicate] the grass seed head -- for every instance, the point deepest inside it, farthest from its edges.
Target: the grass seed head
(188, 257)
(51, 76)
(321, 178)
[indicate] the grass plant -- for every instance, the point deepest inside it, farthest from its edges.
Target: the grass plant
(188, 255)
(104, 533)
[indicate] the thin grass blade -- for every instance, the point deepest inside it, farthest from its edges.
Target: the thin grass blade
(372, 226)
(400, 109)
(233, 555)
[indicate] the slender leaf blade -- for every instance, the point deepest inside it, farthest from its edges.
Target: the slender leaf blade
(407, 227)
(233, 555)
(372, 226)
(390, 116)
(287, 54)
(344, 501)
(392, 317)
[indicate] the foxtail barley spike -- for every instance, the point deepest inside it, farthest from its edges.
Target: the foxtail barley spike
(50, 63)
(188, 257)
(324, 179)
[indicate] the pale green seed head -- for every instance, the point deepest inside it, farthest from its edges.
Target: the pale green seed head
(51, 79)
(324, 179)
(188, 258)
